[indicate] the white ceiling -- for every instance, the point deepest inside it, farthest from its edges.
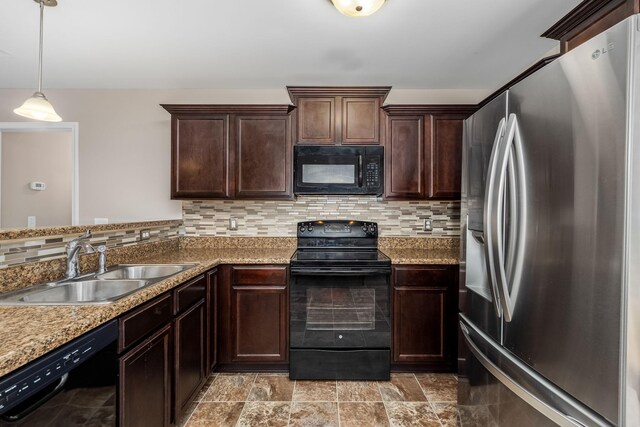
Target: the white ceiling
(408, 44)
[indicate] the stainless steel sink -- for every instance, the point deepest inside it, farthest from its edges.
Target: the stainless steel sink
(118, 282)
(144, 271)
(94, 291)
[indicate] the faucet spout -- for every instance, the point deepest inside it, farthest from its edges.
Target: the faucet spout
(73, 248)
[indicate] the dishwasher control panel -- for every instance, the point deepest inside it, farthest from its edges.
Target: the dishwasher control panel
(52, 367)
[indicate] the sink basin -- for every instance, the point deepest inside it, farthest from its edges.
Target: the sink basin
(118, 282)
(144, 271)
(93, 291)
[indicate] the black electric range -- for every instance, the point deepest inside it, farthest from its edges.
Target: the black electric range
(339, 303)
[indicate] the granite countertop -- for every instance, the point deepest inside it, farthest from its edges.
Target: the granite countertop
(29, 332)
(422, 255)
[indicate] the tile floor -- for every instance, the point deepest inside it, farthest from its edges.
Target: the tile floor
(250, 400)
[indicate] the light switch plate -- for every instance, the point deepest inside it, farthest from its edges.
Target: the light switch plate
(233, 223)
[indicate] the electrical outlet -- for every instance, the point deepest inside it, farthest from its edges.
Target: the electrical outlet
(428, 226)
(145, 234)
(233, 223)
(31, 221)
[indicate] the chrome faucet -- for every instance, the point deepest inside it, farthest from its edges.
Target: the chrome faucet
(73, 248)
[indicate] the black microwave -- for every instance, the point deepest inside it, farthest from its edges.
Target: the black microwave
(338, 169)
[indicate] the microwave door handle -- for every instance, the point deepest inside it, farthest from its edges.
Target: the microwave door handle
(360, 170)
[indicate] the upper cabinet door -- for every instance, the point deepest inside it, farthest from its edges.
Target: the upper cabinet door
(264, 157)
(199, 157)
(338, 115)
(445, 152)
(316, 121)
(404, 158)
(361, 121)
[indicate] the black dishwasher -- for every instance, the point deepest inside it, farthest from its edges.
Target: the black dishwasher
(74, 385)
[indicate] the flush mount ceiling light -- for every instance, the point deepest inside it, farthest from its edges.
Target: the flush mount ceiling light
(38, 106)
(358, 8)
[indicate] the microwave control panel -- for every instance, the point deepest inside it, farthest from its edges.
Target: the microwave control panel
(372, 173)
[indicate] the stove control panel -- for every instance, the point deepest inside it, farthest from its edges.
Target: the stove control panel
(337, 228)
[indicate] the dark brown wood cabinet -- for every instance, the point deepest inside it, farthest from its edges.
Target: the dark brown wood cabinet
(259, 312)
(405, 157)
(424, 317)
(145, 382)
(199, 157)
(264, 157)
(190, 352)
(253, 329)
(231, 151)
(444, 156)
(588, 19)
(190, 355)
(338, 115)
(423, 151)
(164, 353)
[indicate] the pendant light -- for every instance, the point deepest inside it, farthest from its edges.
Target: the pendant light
(358, 8)
(38, 106)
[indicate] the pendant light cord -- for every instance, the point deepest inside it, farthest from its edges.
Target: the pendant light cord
(40, 53)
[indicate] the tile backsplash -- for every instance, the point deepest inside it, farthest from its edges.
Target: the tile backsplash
(279, 218)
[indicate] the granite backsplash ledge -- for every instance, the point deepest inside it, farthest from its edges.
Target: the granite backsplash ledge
(39, 245)
(38, 256)
(279, 218)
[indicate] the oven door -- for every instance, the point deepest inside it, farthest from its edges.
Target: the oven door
(339, 325)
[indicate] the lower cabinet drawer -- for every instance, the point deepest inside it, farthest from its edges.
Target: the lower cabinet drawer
(188, 294)
(259, 275)
(430, 276)
(142, 321)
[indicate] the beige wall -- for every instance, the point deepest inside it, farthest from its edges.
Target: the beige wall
(124, 141)
(36, 156)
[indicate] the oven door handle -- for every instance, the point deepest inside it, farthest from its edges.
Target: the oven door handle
(337, 271)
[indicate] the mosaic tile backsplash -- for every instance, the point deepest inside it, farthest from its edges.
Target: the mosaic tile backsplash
(279, 218)
(19, 251)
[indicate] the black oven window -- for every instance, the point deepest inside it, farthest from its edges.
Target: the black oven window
(341, 309)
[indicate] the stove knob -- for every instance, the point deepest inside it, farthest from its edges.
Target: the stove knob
(302, 228)
(372, 228)
(364, 227)
(310, 227)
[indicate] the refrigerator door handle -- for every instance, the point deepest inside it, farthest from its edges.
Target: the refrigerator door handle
(534, 389)
(497, 304)
(509, 159)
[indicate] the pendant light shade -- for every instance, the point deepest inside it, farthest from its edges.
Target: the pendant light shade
(38, 106)
(358, 8)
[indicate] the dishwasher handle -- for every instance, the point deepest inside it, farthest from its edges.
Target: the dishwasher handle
(38, 403)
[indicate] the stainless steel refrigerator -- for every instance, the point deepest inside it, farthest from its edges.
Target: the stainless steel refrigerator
(550, 259)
